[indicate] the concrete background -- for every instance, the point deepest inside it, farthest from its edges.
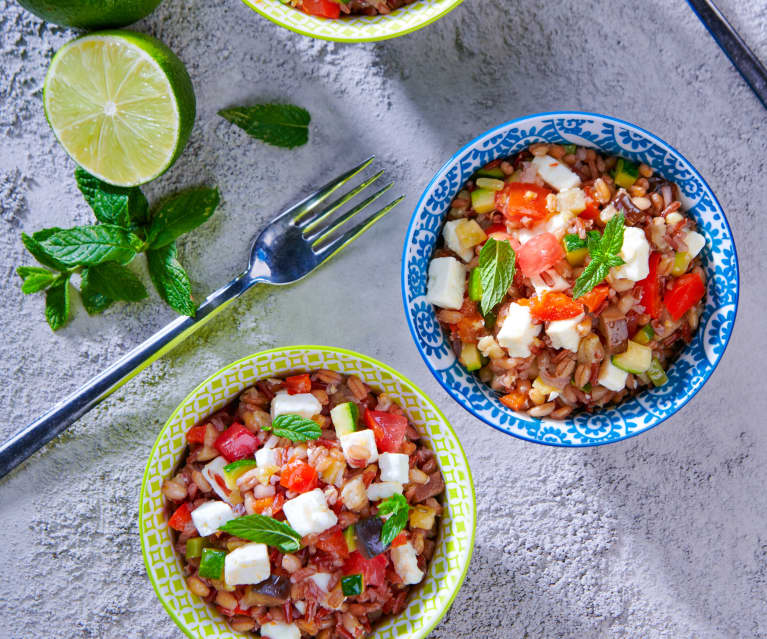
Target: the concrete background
(659, 536)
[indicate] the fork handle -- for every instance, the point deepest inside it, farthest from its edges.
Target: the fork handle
(70, 409)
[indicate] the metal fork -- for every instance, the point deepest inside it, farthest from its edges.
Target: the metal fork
(289, 248)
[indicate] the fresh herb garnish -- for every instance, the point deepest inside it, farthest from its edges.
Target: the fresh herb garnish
(264, 530)
(295, 428)
(240, 463)
(603, 250)
(399, 509)
(99, 252)
(496, 271)
(284, 125)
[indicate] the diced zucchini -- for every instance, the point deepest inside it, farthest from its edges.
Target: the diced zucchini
(352, 585)
(543, 387)
(212, 563)
(470, 234)
(491, 184)
(576, 257)
(471, 358)
(644, 335)
(490, 320)
(351, 538)
(483, 200)
(422, 517)
(587, 387)
(656, 373)
(575, 249)
(682, 260)
(626, 173)
(194, 547)
(570, 149)
(475, 285)
(345, 418)
(494, 172)
(635, 359)
(235, 470)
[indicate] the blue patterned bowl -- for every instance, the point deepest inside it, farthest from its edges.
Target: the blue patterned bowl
(686, 375)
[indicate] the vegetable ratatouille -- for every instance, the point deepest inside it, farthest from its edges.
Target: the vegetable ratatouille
(338, 8)
(567, 279)
(307, 508)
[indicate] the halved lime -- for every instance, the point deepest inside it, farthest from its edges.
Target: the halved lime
(121, 104)
(91, 14)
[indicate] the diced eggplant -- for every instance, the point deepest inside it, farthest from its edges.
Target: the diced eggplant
(614, 329)
(369, 536)
(432, 488)
(272, 591)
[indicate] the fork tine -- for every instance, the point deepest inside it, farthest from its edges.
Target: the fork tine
(309, 223)
(298, 211)
(326, 230)
(337, 245)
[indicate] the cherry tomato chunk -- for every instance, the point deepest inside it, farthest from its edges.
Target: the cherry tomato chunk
(518, 200)
(322, 8)
(685, 292)
(297, 384)
(389, 430)
(553, 306)
(236, 442)
(539, 253)
(372, 570)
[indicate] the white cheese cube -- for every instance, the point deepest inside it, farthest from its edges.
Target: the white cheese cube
(405, 562)
(556, 173)
(447, 281)
(453, 242)
(304, 404)
(571, 200)
(557, 224)
(394, 467)
(612, 377)
(694, 242)
(635, 252)
(277, 630)
(266, 457)
(300, 606)
(215, 468)
(518, 331)
(383, 490)
(564, 334)
(248, 564)
(489, 347)
(322, 579)
(309, 513)
(210, 516)
(559, 283)
(359, 448)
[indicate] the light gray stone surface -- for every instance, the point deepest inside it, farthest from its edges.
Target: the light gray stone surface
(659, 536)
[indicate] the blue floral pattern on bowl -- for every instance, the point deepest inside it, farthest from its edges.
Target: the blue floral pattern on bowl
(696, 362)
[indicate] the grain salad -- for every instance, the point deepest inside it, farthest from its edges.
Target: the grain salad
(309, 507)
(567, 279)
(339, 8)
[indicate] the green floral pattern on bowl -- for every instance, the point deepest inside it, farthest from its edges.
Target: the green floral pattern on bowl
(448, 567)
(355, 28)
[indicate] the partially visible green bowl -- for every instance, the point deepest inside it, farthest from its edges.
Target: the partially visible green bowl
(356, 28)
(455, 541)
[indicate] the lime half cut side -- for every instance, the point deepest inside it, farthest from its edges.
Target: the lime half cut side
(121, 104)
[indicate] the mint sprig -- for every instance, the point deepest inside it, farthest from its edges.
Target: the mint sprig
(283, 125)
(497, 262)
(603, 250)
(399, 509)
(264, 530)
(295, 428)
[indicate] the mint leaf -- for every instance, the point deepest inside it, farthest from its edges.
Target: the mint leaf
(593, 242)
(295, 428)
(496, 272)
(88, 245)
(603, 250)
(612, 238)
(180, 214)
(93, 302)
(264, 530)
(398, 508)
(57, 303)
(592, 275)
(35, 278)
(283, 125)
(170, 279)
(112, 204)
(115, 282)
(32, 244)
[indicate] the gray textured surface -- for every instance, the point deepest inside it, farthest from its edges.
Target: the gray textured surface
(661, 536)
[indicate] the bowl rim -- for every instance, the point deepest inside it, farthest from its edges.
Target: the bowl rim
(271, 351)
(450, 5)
(451, 162)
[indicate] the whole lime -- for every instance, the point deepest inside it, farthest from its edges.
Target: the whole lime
(91, 14)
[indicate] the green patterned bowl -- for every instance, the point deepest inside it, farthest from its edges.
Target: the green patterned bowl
(355, 28)
(451, 558)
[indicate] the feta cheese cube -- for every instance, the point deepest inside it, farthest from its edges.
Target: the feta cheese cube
(394, 467)
(248, 564)
(557, 224)
(489, 347)
(564, 333)
(266, 457)
(309, 513)
(556, 173)
(612, 377)
(694, 242)
(571, 200)
(300, 606)
(518, 331)
(215, 468)
(322, 579)
(453, 242)
(405, 562)
(447, 281)
(277, 630)
(304, 404)
(383, 490)
(210, 516)
(635, 252)
(359, 448)
(525, 234)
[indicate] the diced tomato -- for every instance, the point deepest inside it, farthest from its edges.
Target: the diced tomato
(322, 8)
(334, 543)
(539, 253)
(389, 430)
(299, 477)
(595, 297)
(553, 306)
(591, 212)
(399, 540)
(236, 442)
(181, 517)
(373, 570)
(298, 384)
(649, 288)
(519, 200)
(685, 292)
(515, 400)
(196, 434)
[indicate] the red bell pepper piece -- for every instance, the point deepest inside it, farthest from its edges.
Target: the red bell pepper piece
(399, 540)
(372, 570)
(181, 517)
(685, 292)
(515, 400)
(389, 430)
(519, 200)
(322, 8)
(298, 384)
(236, 442)
(591, 212)
(553, 306)
(196, 434)
(649, 288)
(299, 477)
(595, 297)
